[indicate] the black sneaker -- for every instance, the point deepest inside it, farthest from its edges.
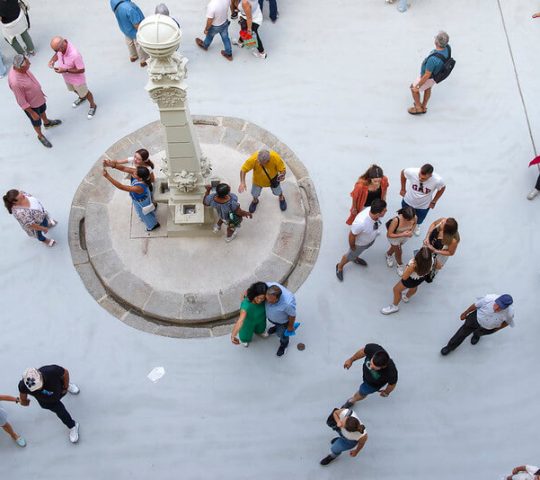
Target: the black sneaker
(253, 207)
(52, 123)
(339, 273)
(360, 261)
(326, 460)
(475, 339)
(281, 351)
(272, 330)
(153, 228)
(347, 404)
(45, 142)
(445, 351)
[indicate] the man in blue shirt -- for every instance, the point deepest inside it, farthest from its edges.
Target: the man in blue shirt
(281, 312)
(129, 16)
(431, 66)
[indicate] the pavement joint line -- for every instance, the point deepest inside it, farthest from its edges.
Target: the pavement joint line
(517, 79)
(284, 259)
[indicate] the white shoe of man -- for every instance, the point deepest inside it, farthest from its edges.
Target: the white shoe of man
(532, 194)
(73, 389)
(417, 231)
(74, 433)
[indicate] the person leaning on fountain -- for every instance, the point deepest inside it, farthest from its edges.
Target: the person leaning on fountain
(227, 208)
(140, 192)
(268, 171)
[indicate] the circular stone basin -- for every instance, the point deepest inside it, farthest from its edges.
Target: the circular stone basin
(192, 285)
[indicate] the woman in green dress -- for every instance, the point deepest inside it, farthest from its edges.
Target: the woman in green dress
(252, 317)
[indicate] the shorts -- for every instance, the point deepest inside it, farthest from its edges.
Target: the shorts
(397, 241)
(256, 190)
(352, 255)
(427, 84)
(39, 111)
(367, 389)
(412, 282)
(81, 90)
(3, 417)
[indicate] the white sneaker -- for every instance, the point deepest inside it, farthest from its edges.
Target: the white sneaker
(404, 297)
(244, 344)
(264, 335)
(400, 269)
(390, 309)
(258, 54)
(417, 231)
(73, 389)
(232, 237)
(532, 194)
(216, 228)
(389, 260)
(74, 433)
(238, 44)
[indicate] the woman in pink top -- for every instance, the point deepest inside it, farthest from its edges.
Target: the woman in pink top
(29, 212)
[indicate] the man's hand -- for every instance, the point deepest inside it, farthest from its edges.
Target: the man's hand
(463, 316)
(348, 364)
(432, 205)
(402, 192)
(206, 31)
(60, 70)
(353, 453)
(235, 340)
(24, 402)
(384, 393)
(51, 64)
(408, 233)
(536, 15)
(241, 188)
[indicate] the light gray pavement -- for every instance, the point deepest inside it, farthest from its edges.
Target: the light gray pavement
(334, 88)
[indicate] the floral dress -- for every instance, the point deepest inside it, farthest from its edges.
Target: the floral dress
(30, 216)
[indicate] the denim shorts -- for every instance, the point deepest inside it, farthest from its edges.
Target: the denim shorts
(256, 190)
(39, 110)
(367, 389)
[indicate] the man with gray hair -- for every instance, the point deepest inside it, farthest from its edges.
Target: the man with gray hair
(281, 312)
(68, 62)
(431, 67)
(30, 97)
(268, 171)
(162, 9)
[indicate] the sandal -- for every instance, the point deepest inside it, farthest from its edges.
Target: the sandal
(50, 242)
(414, 110)
(52, 223)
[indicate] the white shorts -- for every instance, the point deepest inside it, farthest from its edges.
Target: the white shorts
(3, 417)
(397, 241)
(427, 84)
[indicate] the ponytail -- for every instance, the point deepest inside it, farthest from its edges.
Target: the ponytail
(145, 157)
(10, 198)
(144, 174)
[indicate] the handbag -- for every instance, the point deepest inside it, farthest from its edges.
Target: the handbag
(249, 41)
(148, 209)
(331, 422)
(274, 182)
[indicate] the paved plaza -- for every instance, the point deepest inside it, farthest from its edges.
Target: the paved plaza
(334, 88)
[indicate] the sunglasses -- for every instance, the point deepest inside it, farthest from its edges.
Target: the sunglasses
(376, 225)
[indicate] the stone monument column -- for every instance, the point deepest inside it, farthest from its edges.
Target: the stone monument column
(184, 167)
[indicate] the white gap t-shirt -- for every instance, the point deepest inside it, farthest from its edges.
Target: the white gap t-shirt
(362, 227)
(355, 436)
(420, 196)
(219, 11)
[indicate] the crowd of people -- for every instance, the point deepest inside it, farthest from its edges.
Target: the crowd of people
(421, 188)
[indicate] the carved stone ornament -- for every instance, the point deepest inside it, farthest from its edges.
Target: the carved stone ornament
(185, 181)
(169, 69)
(206, 166)
(168, 97)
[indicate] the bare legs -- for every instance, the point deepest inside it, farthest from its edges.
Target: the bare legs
(397, 252)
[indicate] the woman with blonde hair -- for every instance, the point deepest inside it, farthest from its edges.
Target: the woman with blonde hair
(416, 273)
(442, 239)
(371, 185)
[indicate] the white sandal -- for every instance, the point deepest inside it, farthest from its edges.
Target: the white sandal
(50, 242)
(52, 223)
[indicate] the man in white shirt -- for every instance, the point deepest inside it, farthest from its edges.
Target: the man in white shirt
(352, 434)
(420, 190)
(364, 231)
(217, 21)
(487, 315)
(525, 472)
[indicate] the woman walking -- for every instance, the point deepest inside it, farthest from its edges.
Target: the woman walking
(399, 230)
(251, 18)
(141, 196)
(442, 239)
(15, 23)
(252, 317)
(371, 185)
(416, 272)
(31, 215)
(7, 426)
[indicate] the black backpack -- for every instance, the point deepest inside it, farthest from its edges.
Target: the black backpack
(448, 65)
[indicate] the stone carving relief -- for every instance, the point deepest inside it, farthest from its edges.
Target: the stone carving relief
(185, 181)
(168, 97)
(206, 166)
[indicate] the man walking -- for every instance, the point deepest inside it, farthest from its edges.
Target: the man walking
(378, 370)
(431, 66)
(268, 171)
(364, 231)
(487, 315)
(352, 434)
(129, 16)
(423, 191)
(217, 21)
(274, 14)
(281, 312)
(48, 385)
(30, 97)
(68, 62)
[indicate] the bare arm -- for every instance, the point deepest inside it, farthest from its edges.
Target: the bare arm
(8, 398)
(53, 60)
(242, 186)
(208, 24)
(408, 271)
(430, 229)
(359, 446)
(403, 183)
(121, 186)
(237, 327)
(447, 253)
(65, 379)
(423, 79)
(357, 356)
(249, 17)
(471, 309)
(503, 325)
(352, 241)
(436, 197)
(388, 390)
(24, 400)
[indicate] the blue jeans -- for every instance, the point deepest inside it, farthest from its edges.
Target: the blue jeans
(402, 7)
(367, 389)
(273, 8)
(342, 445)
(420, 212)
(3, 69)
(280, 332)
(40, 235)
(223, 30)
(149, 219)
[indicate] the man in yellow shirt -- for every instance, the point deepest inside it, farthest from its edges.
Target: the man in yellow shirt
(268, 171)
